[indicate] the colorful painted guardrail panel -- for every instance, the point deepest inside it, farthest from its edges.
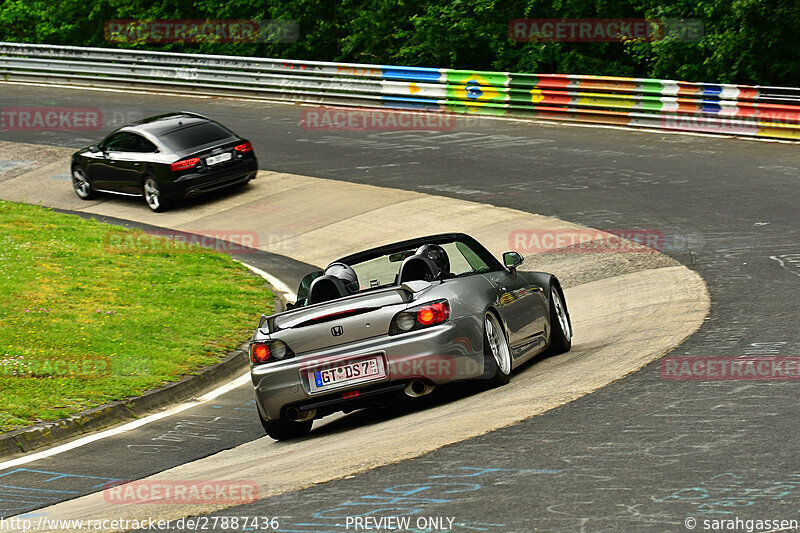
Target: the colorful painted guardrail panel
(639, 102)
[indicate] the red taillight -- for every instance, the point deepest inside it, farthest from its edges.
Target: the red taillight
(432, 314)
(351, 394)
(185, 164)
(421, 316)
(259, 353)
(246, 147)
(269, 351)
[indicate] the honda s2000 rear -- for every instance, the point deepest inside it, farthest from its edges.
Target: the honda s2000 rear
(398, 321)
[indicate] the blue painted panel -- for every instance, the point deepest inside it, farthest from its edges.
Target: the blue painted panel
(712, 89)
(409, 103)
(410, 73)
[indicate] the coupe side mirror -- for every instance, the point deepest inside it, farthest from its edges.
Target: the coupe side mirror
(512, 260)
(95, 149)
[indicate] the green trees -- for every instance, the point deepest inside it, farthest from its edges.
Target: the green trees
(745, 41)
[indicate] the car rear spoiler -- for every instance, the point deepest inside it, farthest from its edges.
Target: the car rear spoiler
(317, 311)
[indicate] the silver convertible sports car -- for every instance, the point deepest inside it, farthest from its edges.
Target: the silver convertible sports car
(397, 321)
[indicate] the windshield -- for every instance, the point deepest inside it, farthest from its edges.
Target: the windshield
(197, 135)
(383, 270)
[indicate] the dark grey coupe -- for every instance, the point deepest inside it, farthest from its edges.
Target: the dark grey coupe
(164, 158)
(399, 320)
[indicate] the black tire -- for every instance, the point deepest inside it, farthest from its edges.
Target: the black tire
(495, 351)
(80, 184)
(283, 429)
(152, 196)
(560, 334)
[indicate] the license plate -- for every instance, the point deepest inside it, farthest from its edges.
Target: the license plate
(217, 159)
(346, 373)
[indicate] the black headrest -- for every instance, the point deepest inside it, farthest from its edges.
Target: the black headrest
(325, 289)
(418, 267)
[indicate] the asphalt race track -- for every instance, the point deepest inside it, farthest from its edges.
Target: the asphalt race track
(643, 453)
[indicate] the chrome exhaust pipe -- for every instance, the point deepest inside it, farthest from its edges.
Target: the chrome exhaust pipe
(293, 413)
(418, 388)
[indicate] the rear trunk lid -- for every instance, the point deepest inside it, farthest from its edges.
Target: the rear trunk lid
(342, 321)
(216, 156)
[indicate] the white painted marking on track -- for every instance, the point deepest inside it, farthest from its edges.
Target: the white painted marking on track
(207, 397)
(787, 261)
(129, 426)
(275, 282)
(106, 89)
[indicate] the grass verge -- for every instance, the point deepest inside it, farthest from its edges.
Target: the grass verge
(92, 313)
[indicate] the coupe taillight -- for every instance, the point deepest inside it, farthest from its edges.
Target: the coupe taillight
(185, 164)
(244, 148)
(419, 317)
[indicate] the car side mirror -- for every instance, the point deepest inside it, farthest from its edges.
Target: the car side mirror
(512, 260)
(95, 149)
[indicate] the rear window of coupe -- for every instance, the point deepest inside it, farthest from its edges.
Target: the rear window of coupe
(201, 134)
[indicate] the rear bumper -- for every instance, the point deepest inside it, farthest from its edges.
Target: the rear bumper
(194, 184)
(438, 355)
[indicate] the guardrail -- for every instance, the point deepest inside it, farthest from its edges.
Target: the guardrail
(639, 102)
